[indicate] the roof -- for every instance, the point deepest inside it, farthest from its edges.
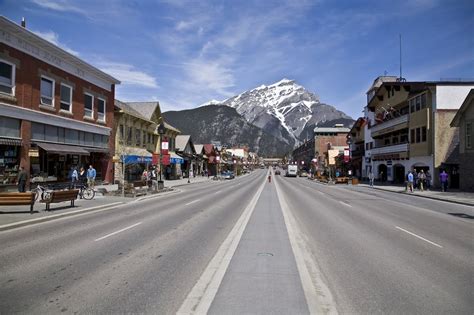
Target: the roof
(181, 142)
(126, 108)
(14, 29)
(465, 105)
(146, 109)
(169, 127)
(332, 129)
(198, 148)
(209, 149)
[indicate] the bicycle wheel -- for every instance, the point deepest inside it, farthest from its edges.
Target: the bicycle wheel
(37, 193)
(88, 193)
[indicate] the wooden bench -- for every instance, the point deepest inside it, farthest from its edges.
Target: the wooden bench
(60, 196)
(18, 199)
(342, 180)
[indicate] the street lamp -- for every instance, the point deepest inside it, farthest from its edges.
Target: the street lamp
(161, 132)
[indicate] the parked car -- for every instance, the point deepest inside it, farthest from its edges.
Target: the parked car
(227, 175)
(303, 174)
(277, 172)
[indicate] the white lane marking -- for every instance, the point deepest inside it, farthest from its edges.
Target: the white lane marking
(200, 298)
(187, 204)
(217, 192)
(421, 238)
(318, 296)
(320, 192)
(116, 232)
(345, 203)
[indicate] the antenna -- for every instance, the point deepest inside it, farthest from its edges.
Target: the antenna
(400, 56)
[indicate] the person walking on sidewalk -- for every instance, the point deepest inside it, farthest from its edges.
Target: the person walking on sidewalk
(371, 179)
(22, 178)
(421, 180)
(428, 180)
(443, 178)
(410, 179)
(91, 174)
(74, 177)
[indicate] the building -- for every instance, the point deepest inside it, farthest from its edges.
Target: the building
(411, 128)
(304, 155)
(185, 149)
(326, 141)
(136, 139)
(464, 120)
(356, 141)
(56, 110)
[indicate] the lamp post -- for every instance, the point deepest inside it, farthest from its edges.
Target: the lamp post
(161, 131)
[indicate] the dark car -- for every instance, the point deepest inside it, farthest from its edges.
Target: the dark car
(277, 172)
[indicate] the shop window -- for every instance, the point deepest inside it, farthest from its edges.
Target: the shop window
(88, 106)
(101, 109)
(61, 136)
(121, 135)
(51, 133)
(9, 127)
(72, 136)
(66, 97)
(37, 131)
(97, 140)
(7, 77)
(89, 139)
(423, 134)
(412, 136)
(47, 91)
(418, 135)
(469, 134)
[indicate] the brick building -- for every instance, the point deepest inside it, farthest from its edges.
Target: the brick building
(56, 111)
(328, 138)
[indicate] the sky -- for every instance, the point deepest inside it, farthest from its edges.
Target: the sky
(185, 53)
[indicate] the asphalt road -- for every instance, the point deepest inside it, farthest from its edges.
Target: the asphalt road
(374, 251)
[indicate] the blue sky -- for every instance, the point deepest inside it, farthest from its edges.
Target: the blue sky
(184, 53)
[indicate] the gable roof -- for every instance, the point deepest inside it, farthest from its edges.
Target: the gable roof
(126, 108)
(149, 110)
(209, 149)
(182, 141)
(465, 105)
(198, 148)
(169, 127)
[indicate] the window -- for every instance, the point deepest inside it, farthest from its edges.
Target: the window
(412, 105)
(144, 140)
(100, 109)
(469, 132)
(121, 135)
(386, 141)
(423, 134)
(88, 106)
(129, 136)
(418, 103)
(418, 135)
(51, 133)
(89, 139)
(7, 77)
(72, 136)
(66, 98)
(9, 127)
(423, 100)
(371, 145)
(47, 91)
(412, 136)
(138, 136)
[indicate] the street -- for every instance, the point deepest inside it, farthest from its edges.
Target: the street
(292, 246)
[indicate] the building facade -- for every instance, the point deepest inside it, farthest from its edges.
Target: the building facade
(56, 111)
(464, 120)
(326, 141)
(304, 155)
(410, 128)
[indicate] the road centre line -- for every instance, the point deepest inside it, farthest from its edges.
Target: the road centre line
(345, 203)
(200, 298)
(116, 232)
(187, 204)
(421, 238)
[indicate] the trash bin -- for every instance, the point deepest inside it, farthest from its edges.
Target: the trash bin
(161, 185)
(355, 181)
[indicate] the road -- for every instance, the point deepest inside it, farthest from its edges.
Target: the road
(247, 246)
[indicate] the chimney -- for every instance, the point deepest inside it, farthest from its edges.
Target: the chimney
(23, 22)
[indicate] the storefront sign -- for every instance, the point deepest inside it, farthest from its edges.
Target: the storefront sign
(137, 159)
(33, 153)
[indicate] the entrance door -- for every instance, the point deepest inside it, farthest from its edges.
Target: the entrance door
(382, 172)
(399, 174)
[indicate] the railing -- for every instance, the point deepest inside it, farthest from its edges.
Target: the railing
(403, 147)
(389, 123)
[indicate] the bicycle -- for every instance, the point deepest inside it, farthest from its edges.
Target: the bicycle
(86, 192)
(41, 192)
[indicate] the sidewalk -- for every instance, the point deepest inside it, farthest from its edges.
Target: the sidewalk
(465, 198)
(21, 214)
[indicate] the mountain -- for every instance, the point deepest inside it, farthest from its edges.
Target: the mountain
(222, 123)
(286, 110)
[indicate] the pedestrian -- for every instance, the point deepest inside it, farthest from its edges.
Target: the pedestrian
(443, 178)
(410, 179)
(415, 179)
(154, 179)
(269, 178)
(91, 174)
(371, 179)
(74, 177)
(22, 178)
(82, 176)
(421, 179)
(428, 180)
(381, 177)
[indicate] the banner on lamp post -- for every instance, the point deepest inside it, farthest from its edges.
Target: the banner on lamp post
(346, 155)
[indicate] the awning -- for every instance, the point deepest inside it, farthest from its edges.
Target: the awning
(62, 149)
(98, 150)
(8, 141)
(135, 155)
(176, 159)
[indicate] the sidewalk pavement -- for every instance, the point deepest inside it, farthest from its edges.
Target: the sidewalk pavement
(465, 198)
(14, 216)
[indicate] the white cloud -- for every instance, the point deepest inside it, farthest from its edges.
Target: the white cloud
(59, 5)
(127, 74)
(53, 37)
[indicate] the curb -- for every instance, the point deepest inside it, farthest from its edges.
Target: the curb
(15, 225)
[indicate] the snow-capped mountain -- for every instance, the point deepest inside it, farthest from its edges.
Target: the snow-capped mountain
(284, 109)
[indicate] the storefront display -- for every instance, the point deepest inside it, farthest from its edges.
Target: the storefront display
(9, 164)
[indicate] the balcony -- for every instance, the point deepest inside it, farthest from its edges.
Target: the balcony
(390, 152)
(389, 126)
